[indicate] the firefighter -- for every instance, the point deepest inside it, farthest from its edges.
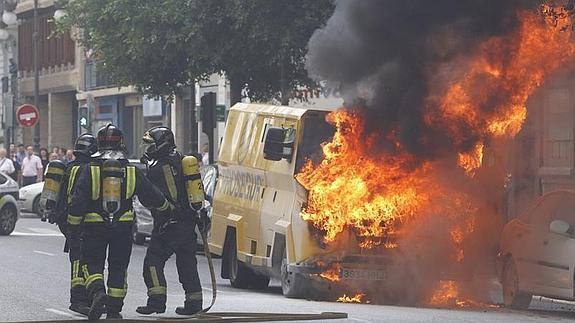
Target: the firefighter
(102, 205)
(179, 179)
(84, 147)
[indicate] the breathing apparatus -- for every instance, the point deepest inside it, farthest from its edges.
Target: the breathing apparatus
(52, 187)
(112, 175)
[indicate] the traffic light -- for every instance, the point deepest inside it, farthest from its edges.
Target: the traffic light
(84, 118)
(208, 106)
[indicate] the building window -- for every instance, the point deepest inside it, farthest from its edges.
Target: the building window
(52, 50)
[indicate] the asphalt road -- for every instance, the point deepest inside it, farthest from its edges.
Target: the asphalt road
(34, 286)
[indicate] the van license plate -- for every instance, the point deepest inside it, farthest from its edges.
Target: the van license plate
(362, 274)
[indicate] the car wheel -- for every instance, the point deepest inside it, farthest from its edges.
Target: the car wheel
(293, 285)
(36, 207)
(240, 274)
(8, 217)
(512, 296)
(137, 238)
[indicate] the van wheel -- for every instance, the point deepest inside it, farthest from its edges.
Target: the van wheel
(240, 274)
(8, 217)
(293, 284)
(259, 281)
(512, 296)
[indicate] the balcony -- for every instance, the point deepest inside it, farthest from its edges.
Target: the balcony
(95, 77)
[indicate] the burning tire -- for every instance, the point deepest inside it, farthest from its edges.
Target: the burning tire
(512, 296)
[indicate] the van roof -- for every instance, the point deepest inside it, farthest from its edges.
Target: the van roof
(276, 110)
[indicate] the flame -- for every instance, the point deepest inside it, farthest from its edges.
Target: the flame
(376, 194)
(358, 298)
(332, 272)
(447, 294)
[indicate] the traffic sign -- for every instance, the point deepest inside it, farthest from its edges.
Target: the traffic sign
(27, 115)
(84, 122)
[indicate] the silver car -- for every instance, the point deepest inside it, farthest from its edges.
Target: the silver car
(144, 222)
(9, 211)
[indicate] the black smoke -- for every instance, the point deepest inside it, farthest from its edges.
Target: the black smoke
(387, 54)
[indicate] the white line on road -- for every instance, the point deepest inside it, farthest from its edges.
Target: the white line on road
(55, 311)
(44, 253)
(15, 233)
(358, 320)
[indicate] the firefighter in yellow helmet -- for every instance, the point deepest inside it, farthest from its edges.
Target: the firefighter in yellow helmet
(179, 179)
(56, 203)
(102, 205)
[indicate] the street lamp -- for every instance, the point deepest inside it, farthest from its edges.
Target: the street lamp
(9, 18)
(59, 14)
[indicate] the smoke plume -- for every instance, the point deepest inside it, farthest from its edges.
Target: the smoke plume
(393, 57)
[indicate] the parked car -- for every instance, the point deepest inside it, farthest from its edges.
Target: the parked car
(9, 212)
(144, 222)
(537, 251)
(29, 200)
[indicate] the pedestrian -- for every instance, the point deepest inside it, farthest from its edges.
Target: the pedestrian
(21, 154)
(206, 155)
(31, 168)
(70, 157)
(176, 234)
(84, 147)
(17, 175)
(53, 156)
(44, 157)
(6, 165)
(107, 227)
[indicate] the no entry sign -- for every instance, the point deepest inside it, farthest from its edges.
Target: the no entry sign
(27, 115)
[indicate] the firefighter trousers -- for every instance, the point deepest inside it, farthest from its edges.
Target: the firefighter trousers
(78, 294)
(117, 240)
(179, 238)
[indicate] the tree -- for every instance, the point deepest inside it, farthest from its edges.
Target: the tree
(161, 45)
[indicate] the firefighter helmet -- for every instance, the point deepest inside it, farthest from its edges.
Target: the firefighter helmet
(86, 145)
(111, 143)
(160, 142)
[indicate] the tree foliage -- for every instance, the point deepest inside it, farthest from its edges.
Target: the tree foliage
(161, 45)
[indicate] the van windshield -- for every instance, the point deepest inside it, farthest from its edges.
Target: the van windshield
(315, 132)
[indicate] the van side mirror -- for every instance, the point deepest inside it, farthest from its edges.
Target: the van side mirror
(279, 143)
(560, 227)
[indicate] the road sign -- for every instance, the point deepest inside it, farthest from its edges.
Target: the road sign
(27, 115)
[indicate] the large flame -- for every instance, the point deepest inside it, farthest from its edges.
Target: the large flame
(375, 194)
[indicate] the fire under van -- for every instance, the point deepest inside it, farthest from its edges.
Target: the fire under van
(256, 224)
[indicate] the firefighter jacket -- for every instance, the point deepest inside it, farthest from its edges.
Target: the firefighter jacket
(69, 181)
(86, 205)
(167, 175)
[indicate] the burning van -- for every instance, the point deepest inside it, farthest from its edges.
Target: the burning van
(258, 227)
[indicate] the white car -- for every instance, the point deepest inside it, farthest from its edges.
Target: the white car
(29, 200)
(537, 251)
(9, 212)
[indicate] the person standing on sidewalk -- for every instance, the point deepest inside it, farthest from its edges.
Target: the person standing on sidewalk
(31, 168)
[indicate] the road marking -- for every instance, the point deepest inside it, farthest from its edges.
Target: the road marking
(357, 320)
(15, 233)
(44, 230)
(55, 311)
(210, 290)
(44, 253)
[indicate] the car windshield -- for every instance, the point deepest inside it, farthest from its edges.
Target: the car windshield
(315, 132)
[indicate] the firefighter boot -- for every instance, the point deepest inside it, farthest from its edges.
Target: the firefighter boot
(98, 304)
(151, 309)
(113, 316)
(81, 308)
(189, 308)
